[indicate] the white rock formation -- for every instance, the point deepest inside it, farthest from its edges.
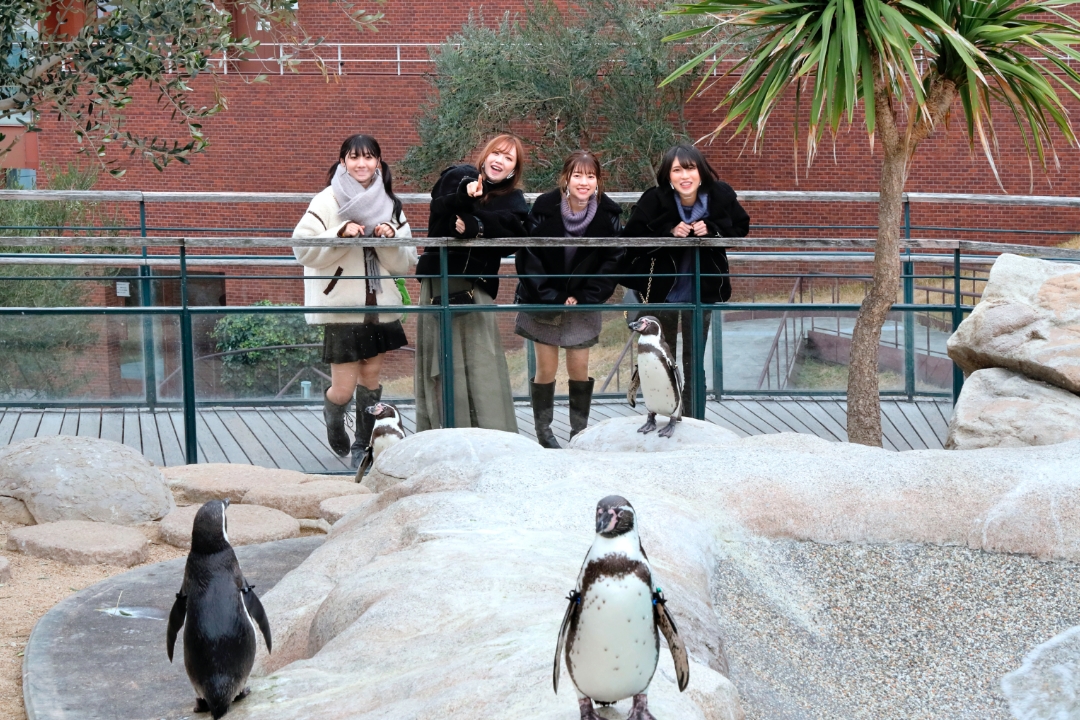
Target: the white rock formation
(197, 484)
(78, 542)
(1028, 321)
(335, 508)
(248, 525)
(1002, 408)
(443, 598)
(302, 500)
(1047, 685)
(620, 435)
(62, 477)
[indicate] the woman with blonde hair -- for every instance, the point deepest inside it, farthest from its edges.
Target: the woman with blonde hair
(578, 208)
(470, 201)
(358, 202)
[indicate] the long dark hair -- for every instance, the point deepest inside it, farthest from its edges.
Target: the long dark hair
(689, 157)
(362, 145)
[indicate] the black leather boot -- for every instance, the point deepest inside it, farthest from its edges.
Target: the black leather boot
(543, 406)
(365, 398)
(580, 402)
(334, 417)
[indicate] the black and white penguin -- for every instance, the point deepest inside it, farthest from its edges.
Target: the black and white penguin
(387, 431)
(657, 374)
(220, 611)
(609, 632)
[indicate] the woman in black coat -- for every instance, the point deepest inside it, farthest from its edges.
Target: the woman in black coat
(690, 199)
(577, 209)
(470, 203)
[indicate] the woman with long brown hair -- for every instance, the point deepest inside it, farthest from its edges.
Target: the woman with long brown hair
(470, 201)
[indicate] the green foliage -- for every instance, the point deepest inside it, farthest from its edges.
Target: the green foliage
(835, 53)
(264, 372)
(89, 80)
(584, 77)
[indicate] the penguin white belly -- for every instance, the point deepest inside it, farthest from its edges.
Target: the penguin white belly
(382, 442)
(656, 385)
(615, 648)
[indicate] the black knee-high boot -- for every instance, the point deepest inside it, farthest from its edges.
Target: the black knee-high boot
(543, 406)
(580, 404)
(334, 417)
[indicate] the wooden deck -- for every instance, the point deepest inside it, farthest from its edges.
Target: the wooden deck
(295, 438)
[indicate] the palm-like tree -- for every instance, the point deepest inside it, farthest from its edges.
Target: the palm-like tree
(908, 62)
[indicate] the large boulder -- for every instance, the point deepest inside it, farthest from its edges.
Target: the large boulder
(1028, 321)
(1045, 686)
(444, 596)
(78, 542)
(302, 500)
(1002, 408)
(62, 477)
(621, 435)
(333, 509)
(200, 483)
(248, 525)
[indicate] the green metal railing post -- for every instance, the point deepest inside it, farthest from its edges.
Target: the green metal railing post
(698, 340)
(530, 358)
(909, 316)
(146, 300)
(187, 354)
(957, 318)
(717, 353)
(446, 341)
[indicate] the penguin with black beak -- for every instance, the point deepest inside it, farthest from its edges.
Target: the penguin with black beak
(387, 431)
(219, 611)
(657, 375)
(609, 633)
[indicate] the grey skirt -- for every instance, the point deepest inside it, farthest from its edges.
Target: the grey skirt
(571, 330)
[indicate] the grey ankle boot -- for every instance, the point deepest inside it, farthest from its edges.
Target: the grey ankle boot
(580, 403)
(365, 398)
(334, 417)
(543, 406)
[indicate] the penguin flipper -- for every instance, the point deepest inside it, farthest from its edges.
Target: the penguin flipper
(366, 462)
(666, 623)
(574, 599)
(632, 391)
(176, 621)
(255, 610)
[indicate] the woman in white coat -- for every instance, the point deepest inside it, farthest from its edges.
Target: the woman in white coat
(358, 202)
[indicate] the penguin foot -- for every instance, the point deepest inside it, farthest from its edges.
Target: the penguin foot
(588, 712)
(640, 709)
(669, 429)
(243, 694)
(649, 425)
(201, 706)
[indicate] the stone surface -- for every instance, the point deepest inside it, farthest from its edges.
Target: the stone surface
(247, 525)
(100, 652)
(79, 478)
(197, 484)
(1002, 408)
(1045, 686)
(78, 542)
(14, 511)
(621, 435)
(335, 508)
(5, 570)
(302, 500)
(1028, 321)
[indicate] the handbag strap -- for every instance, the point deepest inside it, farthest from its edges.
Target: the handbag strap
(648, 287)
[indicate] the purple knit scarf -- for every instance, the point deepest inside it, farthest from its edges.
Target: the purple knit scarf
(576, 223)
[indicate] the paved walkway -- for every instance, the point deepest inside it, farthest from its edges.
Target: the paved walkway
(295, 437)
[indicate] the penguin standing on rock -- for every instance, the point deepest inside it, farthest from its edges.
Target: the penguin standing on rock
(658, 376)
(387, 431)
(220, 611)
(610, 631)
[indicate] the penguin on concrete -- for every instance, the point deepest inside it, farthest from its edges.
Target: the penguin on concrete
(220, 610)
(387, 431)
(657, 374)
(609, 632)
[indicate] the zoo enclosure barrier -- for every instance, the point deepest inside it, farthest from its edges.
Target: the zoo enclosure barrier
(951, 253)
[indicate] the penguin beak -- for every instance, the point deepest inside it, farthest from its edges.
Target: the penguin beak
(605, 521)
(636, 326)
(372, 409)
(225, 502)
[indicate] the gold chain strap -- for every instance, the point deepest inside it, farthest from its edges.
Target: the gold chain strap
(648, 288)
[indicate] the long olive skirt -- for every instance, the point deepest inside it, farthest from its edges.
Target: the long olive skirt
(482, 396)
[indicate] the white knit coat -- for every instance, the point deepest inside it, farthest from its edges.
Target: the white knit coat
(322, 221)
